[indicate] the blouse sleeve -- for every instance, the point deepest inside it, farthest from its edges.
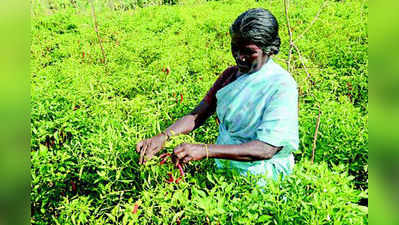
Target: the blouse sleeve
(223, 80)
(279, 122)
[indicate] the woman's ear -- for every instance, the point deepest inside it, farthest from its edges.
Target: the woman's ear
(266, 55)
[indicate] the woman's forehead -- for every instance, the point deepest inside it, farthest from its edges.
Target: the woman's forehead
(237, 39)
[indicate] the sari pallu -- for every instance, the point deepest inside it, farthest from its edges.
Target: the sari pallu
(260, 106)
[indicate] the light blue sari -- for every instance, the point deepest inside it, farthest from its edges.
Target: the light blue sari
(260, 106)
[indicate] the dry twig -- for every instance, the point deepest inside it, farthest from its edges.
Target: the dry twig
(96, 29)
(292, 43)
(303, 64)
(286, 5)
(313, 21)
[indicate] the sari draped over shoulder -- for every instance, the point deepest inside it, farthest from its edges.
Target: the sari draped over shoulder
(260, 106)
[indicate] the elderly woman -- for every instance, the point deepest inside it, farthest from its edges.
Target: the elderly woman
(256, 104)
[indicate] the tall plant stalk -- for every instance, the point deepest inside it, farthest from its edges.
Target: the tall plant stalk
(103, 60)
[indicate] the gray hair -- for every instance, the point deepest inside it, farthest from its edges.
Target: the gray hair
(260, 27)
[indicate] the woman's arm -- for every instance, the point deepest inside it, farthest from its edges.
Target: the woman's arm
(250, 151)
(149, 147)
(192, 121)
(205, 108)
(188, 123)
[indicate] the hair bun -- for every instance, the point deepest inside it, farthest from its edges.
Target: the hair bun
(274, 47)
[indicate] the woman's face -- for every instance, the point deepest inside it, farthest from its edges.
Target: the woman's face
(248, 56)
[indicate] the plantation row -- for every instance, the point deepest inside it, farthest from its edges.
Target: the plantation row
(89, 110)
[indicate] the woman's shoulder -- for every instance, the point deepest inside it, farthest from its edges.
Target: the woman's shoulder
(230, 71)
(227, 76)
(279, 75)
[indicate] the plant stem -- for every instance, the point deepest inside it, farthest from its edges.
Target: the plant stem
(103, 60)
(303, 64)
(313, 21)
(286, 5)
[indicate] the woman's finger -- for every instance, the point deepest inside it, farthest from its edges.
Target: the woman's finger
(143, 151)
(139, 146)
(148, 147)
(181, 155)
(187, 159)
(150, 152)
(178, 149)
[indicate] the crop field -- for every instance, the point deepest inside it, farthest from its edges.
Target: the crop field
(106, 74)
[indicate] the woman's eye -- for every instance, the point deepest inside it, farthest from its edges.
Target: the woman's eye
(248, 52)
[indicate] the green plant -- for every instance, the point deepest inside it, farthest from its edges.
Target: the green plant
(87, 117)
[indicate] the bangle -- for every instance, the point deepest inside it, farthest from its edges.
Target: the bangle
(167, 134)
(207, 151)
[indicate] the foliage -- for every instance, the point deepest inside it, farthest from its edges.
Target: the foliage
(88, 116)
(342, 137)
(312, 195)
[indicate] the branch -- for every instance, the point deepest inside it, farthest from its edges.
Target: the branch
(313, 21)
(303, 64)
(315, 134)
(96, 29)
(286, 5)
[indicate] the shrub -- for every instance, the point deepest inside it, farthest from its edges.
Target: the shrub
(313, 194)
(87, 117)
(342, 136)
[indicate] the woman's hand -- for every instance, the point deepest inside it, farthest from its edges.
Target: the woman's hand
(187, 152)
(149, 147)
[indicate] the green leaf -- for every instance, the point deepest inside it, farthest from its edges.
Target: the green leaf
(264, 218)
